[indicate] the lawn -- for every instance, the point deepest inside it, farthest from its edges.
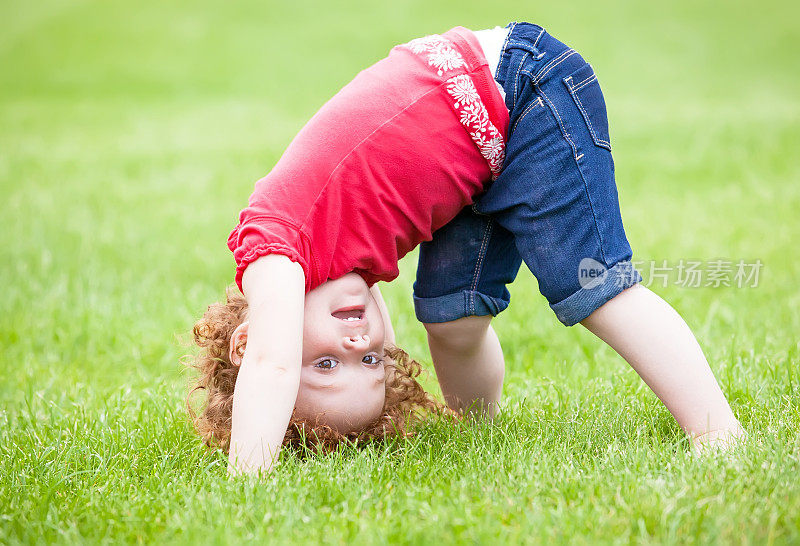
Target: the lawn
(130, 137)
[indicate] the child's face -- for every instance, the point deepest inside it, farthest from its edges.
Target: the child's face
(342, 377)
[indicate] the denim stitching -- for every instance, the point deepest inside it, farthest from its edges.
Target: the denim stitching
(530, 107)
(585, 186)
(516, 76)
(560, 123)
(539, 54)
(532, 76)
(503, 51)
(586, 116)
(487, 233)
(474, 208)
(585, 82)
(581, 84)
(589, 126)
(552, 64)
(538, 37)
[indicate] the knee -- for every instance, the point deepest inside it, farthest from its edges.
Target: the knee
(459, 334)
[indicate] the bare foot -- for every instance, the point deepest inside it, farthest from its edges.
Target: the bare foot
(718, 442)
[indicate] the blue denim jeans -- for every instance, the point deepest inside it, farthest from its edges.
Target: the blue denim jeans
(554, 205)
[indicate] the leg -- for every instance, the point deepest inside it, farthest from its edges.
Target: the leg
(658, 344)
(461, 284)
(469, 363)
(557, 195)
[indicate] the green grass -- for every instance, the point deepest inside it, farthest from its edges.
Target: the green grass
(130, 136)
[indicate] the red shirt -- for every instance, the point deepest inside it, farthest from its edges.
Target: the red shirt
(392, 157)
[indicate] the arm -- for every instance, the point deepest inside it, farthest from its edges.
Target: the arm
(266, 387)
(387, 320)
(658, 344)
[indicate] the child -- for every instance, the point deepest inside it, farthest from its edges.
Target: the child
(489, 148)
(403, 398)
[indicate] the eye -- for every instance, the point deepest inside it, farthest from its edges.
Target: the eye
(371, 360)
(327, 364)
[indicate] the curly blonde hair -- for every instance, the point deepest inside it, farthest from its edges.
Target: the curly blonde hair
(406, 405)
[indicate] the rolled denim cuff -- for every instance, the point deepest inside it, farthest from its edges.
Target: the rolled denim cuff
(458, 305)
(595, 293)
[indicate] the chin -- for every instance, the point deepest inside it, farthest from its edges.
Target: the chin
(352, 281)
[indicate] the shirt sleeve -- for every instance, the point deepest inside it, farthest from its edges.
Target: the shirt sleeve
(257, 236)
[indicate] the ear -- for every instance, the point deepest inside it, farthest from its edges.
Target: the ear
(238, 343)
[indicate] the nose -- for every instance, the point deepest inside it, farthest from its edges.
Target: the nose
(356, 341)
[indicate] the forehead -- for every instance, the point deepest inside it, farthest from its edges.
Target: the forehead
(342, 401)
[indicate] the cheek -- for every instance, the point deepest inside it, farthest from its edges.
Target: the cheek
(311, 346)
(318, 339)
(378, 329)
(371, 395)
(305, 403)
(316, 312)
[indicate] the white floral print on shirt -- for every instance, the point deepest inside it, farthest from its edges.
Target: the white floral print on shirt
(441, 54)
(472, 113)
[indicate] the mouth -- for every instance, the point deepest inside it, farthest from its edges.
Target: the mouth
(351, 314)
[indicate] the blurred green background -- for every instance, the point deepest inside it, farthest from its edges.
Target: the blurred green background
(131, 135)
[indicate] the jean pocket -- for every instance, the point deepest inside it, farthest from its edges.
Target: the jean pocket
(585, 90)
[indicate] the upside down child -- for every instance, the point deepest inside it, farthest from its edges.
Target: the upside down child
(487, 149)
